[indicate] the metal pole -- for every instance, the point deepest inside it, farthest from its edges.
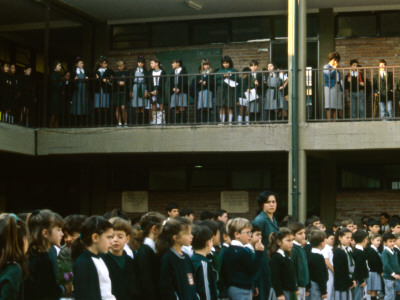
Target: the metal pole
(46, 64)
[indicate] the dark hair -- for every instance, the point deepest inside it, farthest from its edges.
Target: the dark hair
(334, 55)
(172, 227)
(287, 220)
(103, 59)
(210, 224)
(227, 59)
(27, 67)
(78, 59)
(263, 198)
(310, 229)
(388, 236)
(337, 223)
(157, 61)
(359, 236)
(274, 237)
(382, 61)
(3, 64)
(73, 223)
(346, 222)
(329, 232)
(201, 235)
(206, 215)
(353, 61)
(141, 59)
(179, 61)
(220, 212)
(373, 222)
(116, 212)
(341, 232)
(295, 227)
(393, 222)
(256, 228)
(254, 62)
(246, 69)
(384, 214)
(316, 238)
(311, 220)
(364, 220)
(92, 225)
(186, 212)
(171, 206)
(55, 63)
(147, 221)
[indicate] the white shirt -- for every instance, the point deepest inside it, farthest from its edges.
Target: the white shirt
(188, 250)
(328, 253)
(128, 250)
(104, 279)
(280, 251)
(317, 251)
(388, 249)
(383, 73)
(250, 246)
(80, 71)
(177, 71)
(149, 242)
(359, 247)
(236, 243)
(156, 78)
(102, 70)
(297, 243)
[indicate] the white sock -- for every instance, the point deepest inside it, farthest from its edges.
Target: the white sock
(230, 118)
(246, 118)
(221, 117)
(239, 119)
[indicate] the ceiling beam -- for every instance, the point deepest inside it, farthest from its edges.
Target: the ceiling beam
(39, 26)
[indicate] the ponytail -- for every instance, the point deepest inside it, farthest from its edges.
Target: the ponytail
(339, 233)
(173, 227)
(274, 237)
(147, 222)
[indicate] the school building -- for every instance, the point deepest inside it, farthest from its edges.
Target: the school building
(347, 168)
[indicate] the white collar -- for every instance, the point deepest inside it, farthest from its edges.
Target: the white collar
(236, 243)
(343, 248)
(102, 70)
(212, 249)
(296, 243)
(382, 73)
(149, 242)
(388, 249)
(396, 247)
(157, 72)
(354, 73)
(373, 247)
(250, 246)
(80, 71)
(359, 247)
(139, 69)
(177, 71)
(280, 251)
(225, 244)
(316, 250)
(328, 247)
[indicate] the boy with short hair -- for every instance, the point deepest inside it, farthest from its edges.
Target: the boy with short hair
(187, 213)
(172, 210)
(120, 265)
(336, 225)
(313, 220)
(238, 265)
(255, 238)
(205, 273)
(361, 272)
(374, 226)
(396, 249)
(348, 223)
(222, 215)
(391, 269)
(394, 225)
(317, 267)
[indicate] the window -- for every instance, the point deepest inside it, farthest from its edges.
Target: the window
(210, 178)
(390, 24)
(356, 25)
(312, 25)
(251, 179)
(281, 26)
(169, 34)
(250, 29)
(210, 32)
(168, 179)
(357, 177)
(130, 36)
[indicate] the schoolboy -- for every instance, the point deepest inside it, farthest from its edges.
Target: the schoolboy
(222, 215)
(396, 249)
(391, 269)
(394, 225)
(187, 213)
(299, 257)
(172, 210)
(313, 220)
(348, 223)
(361, 272)
(120, 266)
(336, 225)
(384, 218)
(226, 241)
(238, 265)
(317, 267)
(205, 273)
(374, 226)
(255, 238)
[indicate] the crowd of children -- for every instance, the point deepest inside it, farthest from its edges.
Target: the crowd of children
(44, 256)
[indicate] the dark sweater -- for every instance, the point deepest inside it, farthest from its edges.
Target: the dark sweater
(123, 280)
(318, 271)
(200, 263)
(147, 266)
(11, 287)
(361, 269)
(283, 274)
(390, 264)
(177, 277)
(374, 261)
(238, 267)
(342, 279)
(299, 258)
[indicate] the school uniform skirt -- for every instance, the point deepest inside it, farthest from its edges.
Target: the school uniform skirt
(333, 97)
(179, 100)
(374, 282)
(315, 292)
(254, 106)
(270, 99)
(102, 100)
(340, 295)
(288, 295)
(226, 96)
(137, 99)
(204, 99)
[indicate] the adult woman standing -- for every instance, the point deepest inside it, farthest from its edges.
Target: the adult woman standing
(333, 87)
(265, 219)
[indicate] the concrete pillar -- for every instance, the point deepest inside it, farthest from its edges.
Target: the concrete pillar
(328, 190)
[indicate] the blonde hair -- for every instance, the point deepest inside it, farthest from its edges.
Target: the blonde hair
(237, 225)
(205, 61)
(121, 225)
(121, 62)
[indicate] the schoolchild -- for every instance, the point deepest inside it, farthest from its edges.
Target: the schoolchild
(172, 210)
(121, 93)
(299, 258)
(91, 276)
(309, 229)
(394, 225)
(226, 241)
(14, 80)
(55, 104)
(255, 83)
(343, 264)
(244, 95)
(336, 225)
(176, 269)
(121, 266)
(284, 284)
(5, 90)
(147, 263)
(360, 261)
(374, 281)
(396, 249)
(216, 239)
(273, 98)
(374, 226)
(13, 266)
(313, 220)
(355, 84)
(348, 223)
(27, 97)
(205, 273)
(139, 86)
(391, 268)
(157, 85)
(43, 226)
(205, 92)
(187, 213)
(179, 88)
(102, 90)
(327, 252)
(226, 89)
(255, 238)
(317, 267)
(238, 266)
(80, 76)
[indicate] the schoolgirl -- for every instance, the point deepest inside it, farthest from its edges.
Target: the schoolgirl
(13, 265)
(179, 87)
(176, 270)
(121, 93)
(204, 86)
(284, 274)
(244, 96)
(42, 282)
(4, 90)
(80, 78)
(139, 84)
(273, 99)
(102, 88)
(91, 277)
(226, 89)
(374, 281)
(157, 82)
(146, 262)
(327, 252)
(343, 264)
(14, 89)
(255, 83)
(27, 99)
(55, 104)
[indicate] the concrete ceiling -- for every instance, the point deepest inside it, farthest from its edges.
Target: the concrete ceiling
(123, 11)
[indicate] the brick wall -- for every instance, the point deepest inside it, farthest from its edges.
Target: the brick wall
(355, 204)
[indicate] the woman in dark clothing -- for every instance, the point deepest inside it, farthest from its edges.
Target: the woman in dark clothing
(55, 103)
(27, 95)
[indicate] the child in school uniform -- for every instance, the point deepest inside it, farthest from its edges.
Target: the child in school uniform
(299, 258)
(360, 261)
(238, 265)
(179, 87)
(391, 268)
(205, 273)
(226, 241)
(204, 87)
(43, 226)
(121, 266)
(176, 271)
(147, 263)
(374, 281)
(216, 238)
(255, 238)
(327, 252)
(396, 249)
(91, 276)
(317, 267)
(102, 89)
(243, 96)
(13, 266)
(157, 82)
(139, 85)
(121, 93)
(343, 264)
(273, 98)
(284, 285)
(255, 83)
